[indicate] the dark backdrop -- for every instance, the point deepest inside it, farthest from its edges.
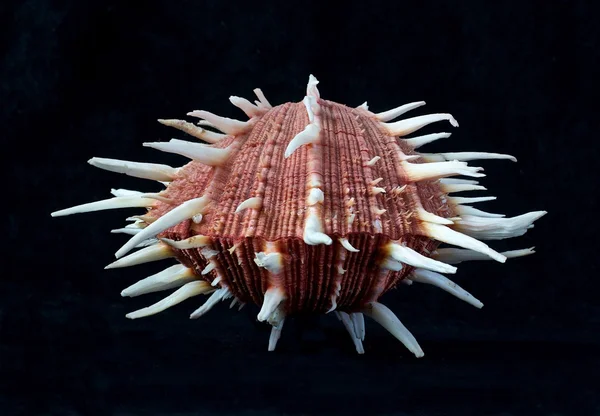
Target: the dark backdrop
(88, 78)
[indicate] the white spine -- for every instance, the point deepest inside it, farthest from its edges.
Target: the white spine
(461, 187)
(418, 141)
(112, 203)
(217, 296)
(263, 102)
(194, 131)
(386, 318)
(348, 324)
(156, 252)
(273, 297)
(226, 125)
(468, 200)
(411, 257)
(447, 235)
(253, 203)
(275, 335)
(409, 125)
(467, 210)
(346, 244)
(458, 255)
(169, 278)
(358, 320)
(427, 171)
(435, 279)
(181, 213)
(136, 169)
(486, 228)
(398, 111)
(211, 156)
(246, 106)
(465, 156)
(183, 293)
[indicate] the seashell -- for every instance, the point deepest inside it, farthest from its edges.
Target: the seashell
(307, 207)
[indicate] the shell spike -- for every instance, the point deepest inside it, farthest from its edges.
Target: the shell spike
(387, 319)
(349, 325)
(466, 156)
(409, 125)
(428, 171)
(211, 156)
(461, 187)
(112, 203)
(310, 134)
(273, 297)
(436, 279)
(181, 294)
(226, 125)
(191, 242)
(275, 335)
(217, 296)
(194, 130)
(418, 141)
(262, 100)
(139, 170)
(398, 111)
(169, 278)
(411, 257)
(486, 228)
(155, 252)
(246, 106)
(468, 210)
(254, 203)
(458, 255)
(447, 235)
(181, 213)
(358, 320)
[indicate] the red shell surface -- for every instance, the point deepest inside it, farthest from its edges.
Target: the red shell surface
(350, 137)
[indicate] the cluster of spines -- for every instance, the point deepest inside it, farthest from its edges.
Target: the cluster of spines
(464, 230)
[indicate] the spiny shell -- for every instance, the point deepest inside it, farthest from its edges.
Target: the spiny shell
(306, 207)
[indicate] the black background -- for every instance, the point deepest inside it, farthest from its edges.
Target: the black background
(88, 78)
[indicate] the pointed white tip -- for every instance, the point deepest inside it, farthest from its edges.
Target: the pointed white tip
(457, 255)
(136, 169)
(178, 214)
(262, 100)
(273, 297)
(253, 203)
(112, 203)
(310, 134)
(246, 106)
(419, 141)
(410, 125)
(436, 279)
(226, 125)
(387, 319)
(407, 255)
(194, 130)
(398, 111)
(275, 335)
(217, 296)
(183, 293)
(155, 252)
(346, 244)
(447, 235)
(211, 156)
